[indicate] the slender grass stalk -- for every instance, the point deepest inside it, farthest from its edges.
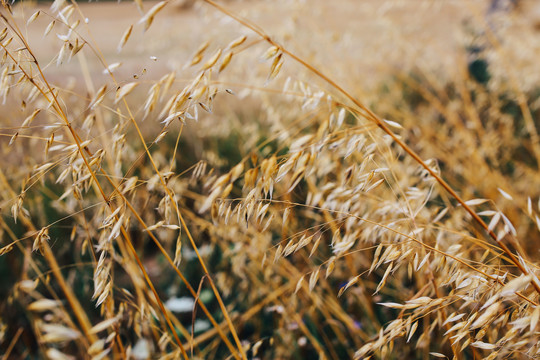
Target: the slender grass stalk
(368, 114)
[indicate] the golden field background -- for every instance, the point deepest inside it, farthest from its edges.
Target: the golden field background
(270, 179)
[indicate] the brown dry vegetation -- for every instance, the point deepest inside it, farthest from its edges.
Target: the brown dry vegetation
(260, 179)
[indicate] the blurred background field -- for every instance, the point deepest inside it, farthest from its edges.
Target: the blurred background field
(405, 34)
(159, 202)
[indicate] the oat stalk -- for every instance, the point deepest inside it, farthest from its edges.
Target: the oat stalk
(362, 110)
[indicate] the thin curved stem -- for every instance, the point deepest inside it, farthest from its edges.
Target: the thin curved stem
(370, 115)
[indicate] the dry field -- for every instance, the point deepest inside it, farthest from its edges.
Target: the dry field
(292, 179)
(366, 37)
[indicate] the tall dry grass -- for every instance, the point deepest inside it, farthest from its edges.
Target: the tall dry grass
(246, 205)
